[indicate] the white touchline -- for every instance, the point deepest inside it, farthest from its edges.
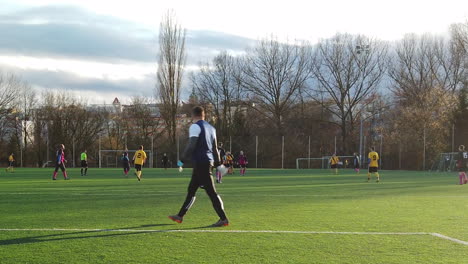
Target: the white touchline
(458, 241)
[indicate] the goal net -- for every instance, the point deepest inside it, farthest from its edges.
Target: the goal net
(113, 158)
(323, 162)
(445, 162)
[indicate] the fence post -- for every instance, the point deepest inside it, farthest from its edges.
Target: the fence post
(152, 151)
(380, 151)
(308, 161)
(453, 137)
(256, 152)
(360, 141)
(100, 157)
(424, 147)
(399, 156)
(282, 152)
(177, 143)
(74, 165)
(335, 144)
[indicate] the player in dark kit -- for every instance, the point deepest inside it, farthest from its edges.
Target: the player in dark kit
(203, 148)
(461, 164)
(165, 161)
(126, 163)
(60, 163)
(222, 154)
(356, 163)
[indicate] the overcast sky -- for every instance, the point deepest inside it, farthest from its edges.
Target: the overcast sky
(105, 49)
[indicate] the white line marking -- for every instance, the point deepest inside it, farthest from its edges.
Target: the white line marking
(450, 238)
(458, 241)
(229, 194)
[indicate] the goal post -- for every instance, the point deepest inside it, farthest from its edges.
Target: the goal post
(112, 158)
(323, 162)
(445, 162)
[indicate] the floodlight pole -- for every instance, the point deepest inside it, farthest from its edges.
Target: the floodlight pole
(359, 50)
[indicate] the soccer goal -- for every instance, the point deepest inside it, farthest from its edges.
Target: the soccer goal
(323, 162)
(445, 162)
(113, 158)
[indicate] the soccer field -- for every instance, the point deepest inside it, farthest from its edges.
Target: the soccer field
(277, 216)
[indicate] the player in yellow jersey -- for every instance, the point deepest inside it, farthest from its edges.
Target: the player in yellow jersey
(373, 164)
(334, 160)
(138, 160)
(11, 163)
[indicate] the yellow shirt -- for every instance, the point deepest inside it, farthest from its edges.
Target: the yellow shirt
(139, 157)
(10, 158)
(334, 160)
(374, 159)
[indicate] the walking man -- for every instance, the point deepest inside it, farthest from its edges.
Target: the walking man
(202, 147)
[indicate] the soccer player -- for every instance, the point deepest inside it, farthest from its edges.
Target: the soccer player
(373, 164)
(222, 155)
(11, 163)
(126, 162)
(84, 163)
(242, 161)
(60, 163)
(165, 161)
(202, 147)
(461, 164)
(229, 162)
(138, 160)
(334, 163)
(356, 163)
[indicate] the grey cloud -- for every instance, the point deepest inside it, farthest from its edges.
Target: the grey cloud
(61, 40)
(73, 32)
(73, 82)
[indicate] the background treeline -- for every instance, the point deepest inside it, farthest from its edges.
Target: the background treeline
(408, 97)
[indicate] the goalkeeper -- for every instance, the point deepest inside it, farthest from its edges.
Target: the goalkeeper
(202, 148)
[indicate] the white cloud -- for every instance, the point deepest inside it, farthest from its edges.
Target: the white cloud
(83, 68)
(304, 19)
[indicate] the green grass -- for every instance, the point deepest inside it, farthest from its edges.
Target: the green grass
(277, 200)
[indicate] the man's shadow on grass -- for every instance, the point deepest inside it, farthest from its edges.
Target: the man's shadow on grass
(91, 234)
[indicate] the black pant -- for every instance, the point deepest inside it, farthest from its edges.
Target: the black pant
(60, 166)
(201, 177)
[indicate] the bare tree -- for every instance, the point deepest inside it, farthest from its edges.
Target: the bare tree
(9, 86)
(141, 116)
(347, 69)
(459, 34)
(26, 104)
(219, 85)
(273, 74)
(421, 63)
(171, 64)
(425, 73)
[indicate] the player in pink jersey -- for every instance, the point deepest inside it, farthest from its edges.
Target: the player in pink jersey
(462, 161)
(242, 161)
(60, 163)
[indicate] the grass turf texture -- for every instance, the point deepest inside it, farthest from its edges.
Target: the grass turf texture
(293, 200)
